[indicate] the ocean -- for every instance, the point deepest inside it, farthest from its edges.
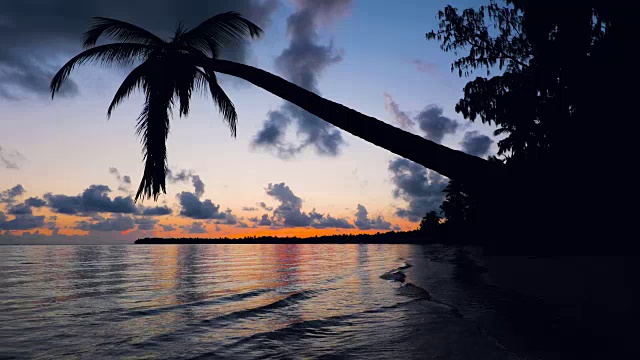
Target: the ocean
(258, 301)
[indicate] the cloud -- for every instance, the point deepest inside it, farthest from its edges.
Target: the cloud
(364, 223)
(184, 176)
(146, 224)
(9, 196)
(434, 124)
(193, 208)
(93, 200)
(229, 218)
(196, 227)
(124, 182)
(198, 185)
(321, 221)
(302, 63)
(116, 222)
(425, 66)
(289, 213)
(179, 176)
(264, 220)
(9, 159)
(156, 211)
(21, 222)
(477, 144)
(421, 188)
(25, 208)
(400, 117)
(168, 227)
(35, 202)
(249, 208)
(397, 228)
(38, 37)
(264, 206)
(242, 225)
(20, 209)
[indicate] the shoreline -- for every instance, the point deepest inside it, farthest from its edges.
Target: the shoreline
(379, 238)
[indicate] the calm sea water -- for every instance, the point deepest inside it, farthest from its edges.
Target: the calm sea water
(246, 301)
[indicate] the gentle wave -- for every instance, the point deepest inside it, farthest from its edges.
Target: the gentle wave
(250, 301)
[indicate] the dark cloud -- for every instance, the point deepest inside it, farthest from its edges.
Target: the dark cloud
(179, 176)
(283, 193)
(425, 66)
(35, 202)
(146, 224)
(434, 124)
(9, 196)
(229, 218)
(124, 182)
(116, 222)
(397, 228)
(8, 159)
(37, 37)
(198, 185)
(264, 206)
(242, 225)
(321, 221)
(25, 208)
(272, 135)
(184, 176)
(477, 144)
(289, 212)
(193, 208)
(168, 227)
(93, 200)
(302, 62)
(250, 208)
(21, 222)
(264, 220)
(156, 211)
(196, 227)
(400, 117)
(20, 209)
(421, 188)
(364, 223)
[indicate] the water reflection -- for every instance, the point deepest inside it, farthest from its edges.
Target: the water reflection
(201, 300)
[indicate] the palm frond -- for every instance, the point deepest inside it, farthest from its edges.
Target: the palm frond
(153, 130)
(110, 54)
(222, 101)
(219, 32)
(134, 81)
(184, 83)
(120, 31)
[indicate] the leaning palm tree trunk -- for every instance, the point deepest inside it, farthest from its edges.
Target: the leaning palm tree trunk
(448, 162)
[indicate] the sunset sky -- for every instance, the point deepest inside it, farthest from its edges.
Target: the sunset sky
(67, 174)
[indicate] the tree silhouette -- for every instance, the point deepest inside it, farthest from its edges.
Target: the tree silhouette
(171, 70)
(429, 223)
(168, 74)
(557, 80)
(458, 205)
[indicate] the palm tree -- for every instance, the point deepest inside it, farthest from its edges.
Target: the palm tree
(170, 70)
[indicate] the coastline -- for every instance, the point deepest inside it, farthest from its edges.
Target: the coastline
(392, 237)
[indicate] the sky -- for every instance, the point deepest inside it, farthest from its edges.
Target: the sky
(67, 173)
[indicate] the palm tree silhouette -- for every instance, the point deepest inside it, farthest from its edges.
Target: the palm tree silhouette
(171, 70)
(168, 73)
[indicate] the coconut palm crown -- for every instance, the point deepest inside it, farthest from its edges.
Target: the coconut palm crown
(167, 72)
